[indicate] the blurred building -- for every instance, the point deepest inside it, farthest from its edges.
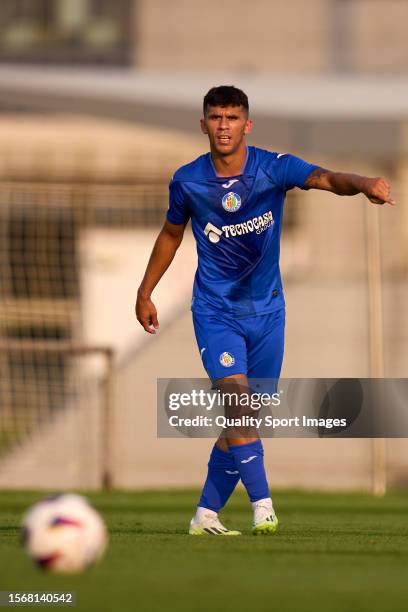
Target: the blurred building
(82, 197)
(67, 31)
(317, 36)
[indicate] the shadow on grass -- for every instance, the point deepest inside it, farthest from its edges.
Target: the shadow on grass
(10, 528)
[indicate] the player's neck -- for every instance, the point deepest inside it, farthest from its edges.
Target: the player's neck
(229, 165)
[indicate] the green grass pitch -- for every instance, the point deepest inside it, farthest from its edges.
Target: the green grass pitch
(333, 552)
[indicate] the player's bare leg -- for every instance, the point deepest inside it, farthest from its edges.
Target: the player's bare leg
(242, 448)
(245, 445)
(221, 481)
(237, 384)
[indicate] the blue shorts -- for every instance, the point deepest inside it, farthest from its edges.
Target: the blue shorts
(251, 346)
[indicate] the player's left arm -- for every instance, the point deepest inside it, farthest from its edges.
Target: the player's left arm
(377, 190)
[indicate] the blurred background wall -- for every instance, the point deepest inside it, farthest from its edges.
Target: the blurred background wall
(99, 104)
(265, 36)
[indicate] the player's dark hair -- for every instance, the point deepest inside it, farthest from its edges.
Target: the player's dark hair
(225, 95)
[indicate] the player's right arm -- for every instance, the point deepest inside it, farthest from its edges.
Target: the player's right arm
(377, 190)
(164, 250)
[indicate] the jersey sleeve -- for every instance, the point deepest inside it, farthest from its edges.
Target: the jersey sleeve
(178, 212)
(294, 171)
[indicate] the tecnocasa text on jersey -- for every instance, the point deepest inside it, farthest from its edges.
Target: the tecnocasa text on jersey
(256, 224)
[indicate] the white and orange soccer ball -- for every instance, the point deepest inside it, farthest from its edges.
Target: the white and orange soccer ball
(64, 534)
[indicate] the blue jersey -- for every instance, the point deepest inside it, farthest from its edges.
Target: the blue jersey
(237, 223)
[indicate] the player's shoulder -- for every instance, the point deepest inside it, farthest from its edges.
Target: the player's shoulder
(269, 161)
(268, 157)
(196, 170)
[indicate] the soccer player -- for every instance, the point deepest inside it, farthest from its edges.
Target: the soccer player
(234, 196)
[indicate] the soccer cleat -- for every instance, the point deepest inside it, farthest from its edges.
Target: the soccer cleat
(265, 519)
(210, 525)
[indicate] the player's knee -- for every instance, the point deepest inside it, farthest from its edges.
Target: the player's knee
(236, 395)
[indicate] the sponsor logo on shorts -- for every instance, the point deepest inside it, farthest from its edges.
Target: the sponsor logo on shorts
(251, 458)
(227, 359)
(231, 202)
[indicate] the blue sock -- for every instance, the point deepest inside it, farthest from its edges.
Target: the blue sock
(222, 479)
(249, 461)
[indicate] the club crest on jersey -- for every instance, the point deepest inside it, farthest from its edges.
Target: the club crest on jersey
(227, 360)
(231, 202)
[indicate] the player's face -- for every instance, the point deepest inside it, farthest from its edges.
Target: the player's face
(226, 128)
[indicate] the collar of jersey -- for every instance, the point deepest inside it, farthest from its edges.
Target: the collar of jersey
(226, 178)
